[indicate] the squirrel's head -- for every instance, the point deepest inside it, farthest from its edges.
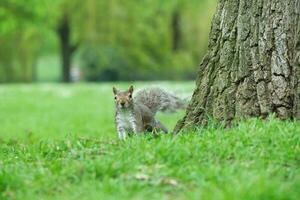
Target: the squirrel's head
(123, 99)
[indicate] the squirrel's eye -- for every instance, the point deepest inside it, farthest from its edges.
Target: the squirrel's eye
(130, 96)
(115, 98)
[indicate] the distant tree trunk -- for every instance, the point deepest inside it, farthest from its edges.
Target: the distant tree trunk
(34, 72)
(176, 30)
(252, 66)
(67, 49)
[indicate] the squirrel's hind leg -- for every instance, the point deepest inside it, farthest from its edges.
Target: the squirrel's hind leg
(160, 127)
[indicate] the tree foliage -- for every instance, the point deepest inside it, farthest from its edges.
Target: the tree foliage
(117, 39)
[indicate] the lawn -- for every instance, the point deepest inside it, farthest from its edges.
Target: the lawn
(59, 142)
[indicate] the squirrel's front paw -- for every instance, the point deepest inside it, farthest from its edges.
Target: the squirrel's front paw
(122, 136)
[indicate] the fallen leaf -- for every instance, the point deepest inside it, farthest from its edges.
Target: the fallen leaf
(142, 177)
(169, 181)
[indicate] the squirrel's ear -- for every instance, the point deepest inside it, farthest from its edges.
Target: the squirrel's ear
(130, 90)
(115, 91)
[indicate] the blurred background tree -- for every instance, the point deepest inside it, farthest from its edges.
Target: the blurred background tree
(108, 40)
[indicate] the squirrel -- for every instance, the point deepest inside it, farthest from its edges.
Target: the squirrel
(136, 114)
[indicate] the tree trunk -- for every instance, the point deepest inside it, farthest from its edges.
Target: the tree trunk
(252, 66)
(176, 33)
(67, 49)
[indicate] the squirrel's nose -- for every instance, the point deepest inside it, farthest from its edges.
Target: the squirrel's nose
(122, 103)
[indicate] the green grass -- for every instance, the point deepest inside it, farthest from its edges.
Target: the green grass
(59, 142)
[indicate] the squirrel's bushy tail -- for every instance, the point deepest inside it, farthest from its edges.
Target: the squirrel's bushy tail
(157, 99)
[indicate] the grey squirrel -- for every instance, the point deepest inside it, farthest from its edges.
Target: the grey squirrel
(136, 113)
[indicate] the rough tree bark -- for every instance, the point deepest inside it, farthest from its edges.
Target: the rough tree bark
(67, 48)
(252, 65)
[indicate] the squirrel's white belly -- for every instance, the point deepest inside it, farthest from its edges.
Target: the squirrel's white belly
(126, 120)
